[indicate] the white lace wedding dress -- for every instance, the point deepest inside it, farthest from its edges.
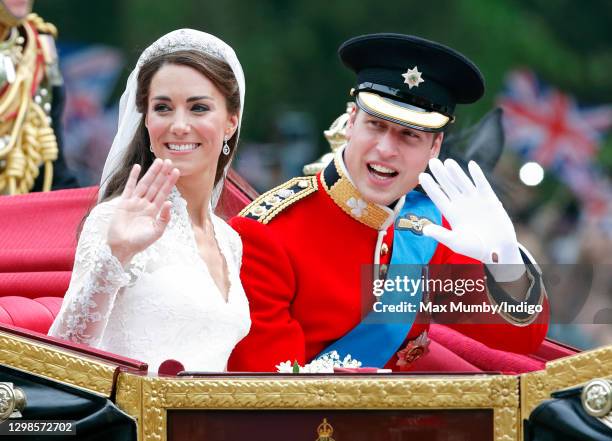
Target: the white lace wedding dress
(164, 304)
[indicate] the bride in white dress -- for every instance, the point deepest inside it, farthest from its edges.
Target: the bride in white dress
(156, 273)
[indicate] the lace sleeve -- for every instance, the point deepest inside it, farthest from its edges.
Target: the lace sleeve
(97, 276)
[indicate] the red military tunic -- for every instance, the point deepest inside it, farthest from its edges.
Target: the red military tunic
(305, 243)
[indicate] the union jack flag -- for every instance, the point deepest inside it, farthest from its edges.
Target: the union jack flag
(546, 125)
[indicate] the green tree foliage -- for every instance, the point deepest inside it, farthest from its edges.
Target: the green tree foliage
(288, 47)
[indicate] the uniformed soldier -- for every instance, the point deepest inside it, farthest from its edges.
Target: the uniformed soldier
(305, 242)
(31, 100)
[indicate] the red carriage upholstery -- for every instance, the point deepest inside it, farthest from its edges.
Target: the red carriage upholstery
(37, 243)
(38, 236)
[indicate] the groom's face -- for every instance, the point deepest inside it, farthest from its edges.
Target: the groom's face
(385, 159)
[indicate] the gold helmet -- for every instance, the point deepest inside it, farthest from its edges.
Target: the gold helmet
(14, 12)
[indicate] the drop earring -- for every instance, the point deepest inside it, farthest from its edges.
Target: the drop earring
(226, 147)
(151, 148)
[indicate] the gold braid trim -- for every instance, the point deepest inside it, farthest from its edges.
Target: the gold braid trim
(32, 141)
(267, 206)
(344, 193)
(37, 145)
(42, 26)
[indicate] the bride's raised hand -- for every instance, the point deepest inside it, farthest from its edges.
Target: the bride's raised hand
(143, 211)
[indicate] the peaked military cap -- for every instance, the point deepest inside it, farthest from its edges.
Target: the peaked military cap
(409, 80)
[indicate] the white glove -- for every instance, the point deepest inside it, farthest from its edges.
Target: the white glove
(481, 228)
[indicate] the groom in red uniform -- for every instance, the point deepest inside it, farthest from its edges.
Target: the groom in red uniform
(306, 242)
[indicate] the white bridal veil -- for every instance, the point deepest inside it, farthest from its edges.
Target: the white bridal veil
(130, 117)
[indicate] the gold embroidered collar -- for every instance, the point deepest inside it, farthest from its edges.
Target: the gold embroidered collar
(338, 184)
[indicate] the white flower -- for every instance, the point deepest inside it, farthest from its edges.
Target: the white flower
(357, 206)
(286, 367)
(318, 367)
(325, 364)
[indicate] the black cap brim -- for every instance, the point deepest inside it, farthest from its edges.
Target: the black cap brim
(383, 64)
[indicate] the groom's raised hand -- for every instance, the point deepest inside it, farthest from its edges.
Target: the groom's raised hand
(480, 227)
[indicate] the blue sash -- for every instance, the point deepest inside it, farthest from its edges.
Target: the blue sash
(380, 334)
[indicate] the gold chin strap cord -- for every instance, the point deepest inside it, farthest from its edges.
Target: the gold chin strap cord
(26, 138)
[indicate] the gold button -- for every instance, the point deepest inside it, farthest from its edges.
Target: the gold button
(384, 250)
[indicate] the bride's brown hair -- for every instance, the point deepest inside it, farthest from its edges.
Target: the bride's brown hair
(213, 68)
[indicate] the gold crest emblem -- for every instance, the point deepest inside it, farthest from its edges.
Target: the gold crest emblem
(413, 223)
(325, 431)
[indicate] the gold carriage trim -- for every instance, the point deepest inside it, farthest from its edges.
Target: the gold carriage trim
(271, 203)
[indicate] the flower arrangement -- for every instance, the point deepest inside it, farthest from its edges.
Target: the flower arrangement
(323, 364)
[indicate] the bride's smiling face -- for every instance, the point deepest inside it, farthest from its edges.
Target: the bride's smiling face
(187, 120)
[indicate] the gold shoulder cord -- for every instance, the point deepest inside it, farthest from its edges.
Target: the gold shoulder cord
(41, 25)
(29, 140)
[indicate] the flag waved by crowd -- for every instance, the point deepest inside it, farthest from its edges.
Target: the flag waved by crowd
(545, 125)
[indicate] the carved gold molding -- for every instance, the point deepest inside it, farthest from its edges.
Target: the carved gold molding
(534, 390)
(563, 373)
(129, 397)
(499, 393)
(56, 364)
